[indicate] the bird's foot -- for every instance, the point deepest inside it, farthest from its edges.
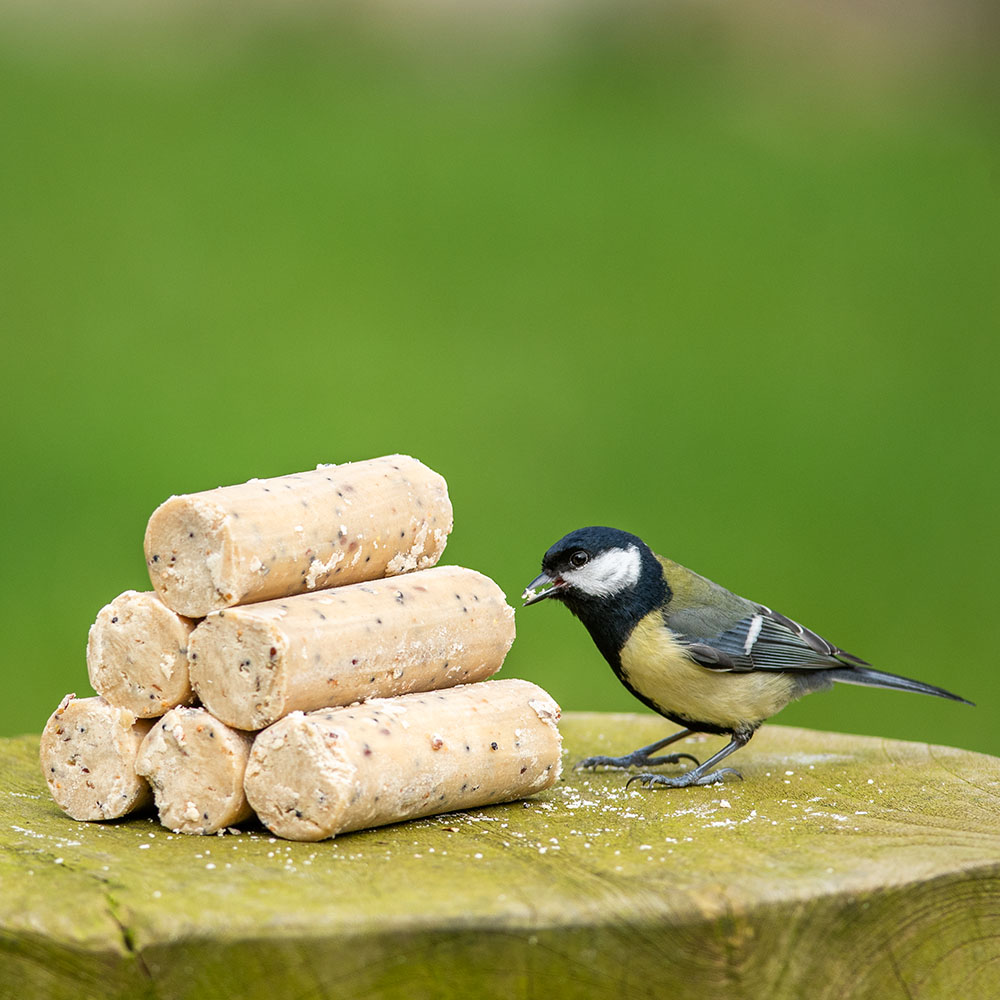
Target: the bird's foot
(685, 780)
(669, 758)
(633, 760)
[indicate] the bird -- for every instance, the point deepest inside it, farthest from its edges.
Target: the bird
(696, 653)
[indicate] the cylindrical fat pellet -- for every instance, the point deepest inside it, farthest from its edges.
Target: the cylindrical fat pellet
(270, 538)
(390, 759)
(431, 629)
(195, 765)
(137, 654)
(87, 752)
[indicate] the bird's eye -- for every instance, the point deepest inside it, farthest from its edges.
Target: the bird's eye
(579, 558)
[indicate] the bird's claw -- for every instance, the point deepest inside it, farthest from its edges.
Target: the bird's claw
(671, 758)
(632, 760)
(689, 778)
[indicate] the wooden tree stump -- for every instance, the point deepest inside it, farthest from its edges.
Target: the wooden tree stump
(843, 866)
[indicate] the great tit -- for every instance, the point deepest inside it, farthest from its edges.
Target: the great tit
(701, 656)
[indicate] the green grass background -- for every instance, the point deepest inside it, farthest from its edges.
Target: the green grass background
(729, 283)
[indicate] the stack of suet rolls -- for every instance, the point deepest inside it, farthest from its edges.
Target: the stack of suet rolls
(301, 655)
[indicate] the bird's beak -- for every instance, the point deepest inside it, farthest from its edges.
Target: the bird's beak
(532, 595)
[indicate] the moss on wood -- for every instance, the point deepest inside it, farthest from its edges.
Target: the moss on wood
(841, 865)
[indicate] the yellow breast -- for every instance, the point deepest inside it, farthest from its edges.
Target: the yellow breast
(655, 664)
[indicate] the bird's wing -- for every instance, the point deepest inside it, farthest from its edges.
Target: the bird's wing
(766, 640)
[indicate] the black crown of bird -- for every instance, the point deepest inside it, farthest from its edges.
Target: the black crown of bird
(701, 656)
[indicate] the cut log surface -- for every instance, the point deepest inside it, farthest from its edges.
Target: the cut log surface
(842, 866)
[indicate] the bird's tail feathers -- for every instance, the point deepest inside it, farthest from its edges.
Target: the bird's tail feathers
(870, 677)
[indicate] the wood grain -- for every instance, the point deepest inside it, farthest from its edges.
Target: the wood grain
(840, 866)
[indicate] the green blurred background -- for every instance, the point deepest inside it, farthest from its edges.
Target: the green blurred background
(723, 275)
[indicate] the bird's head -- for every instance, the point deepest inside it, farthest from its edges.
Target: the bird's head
(592, 565)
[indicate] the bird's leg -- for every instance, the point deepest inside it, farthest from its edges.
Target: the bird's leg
(641, 757)
(701, 775)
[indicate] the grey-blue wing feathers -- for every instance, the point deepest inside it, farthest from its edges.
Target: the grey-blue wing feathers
(766, 640)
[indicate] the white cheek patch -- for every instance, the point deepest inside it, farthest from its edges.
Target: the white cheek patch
(608, 573)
